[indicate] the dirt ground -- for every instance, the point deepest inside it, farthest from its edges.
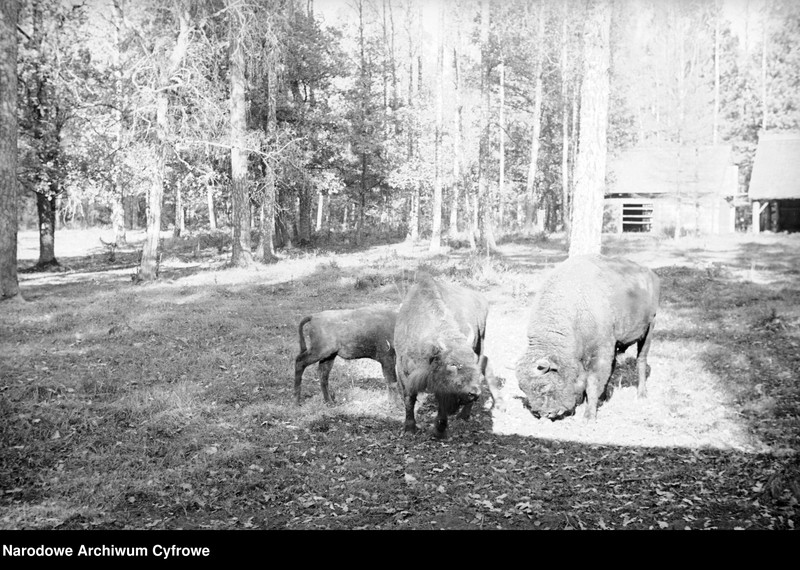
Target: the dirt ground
(113, 391)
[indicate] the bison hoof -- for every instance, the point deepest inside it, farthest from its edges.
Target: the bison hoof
(410, 428)
(463, 415)
(439, 434)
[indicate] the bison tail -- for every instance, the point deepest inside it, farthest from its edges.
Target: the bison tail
(300, 333)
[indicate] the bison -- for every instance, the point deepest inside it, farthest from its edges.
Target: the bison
(366, 332)
(439, 338)
(590, 307)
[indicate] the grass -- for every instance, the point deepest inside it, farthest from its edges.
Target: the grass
(170, 405)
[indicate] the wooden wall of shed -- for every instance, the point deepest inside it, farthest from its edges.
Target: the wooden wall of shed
(702, 215)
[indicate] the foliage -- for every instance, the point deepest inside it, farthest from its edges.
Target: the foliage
(57, 84)
(783, 68)
(347, 110)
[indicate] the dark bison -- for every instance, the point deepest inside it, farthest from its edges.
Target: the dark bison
(350, 333)
(439, 339)
(590, 307)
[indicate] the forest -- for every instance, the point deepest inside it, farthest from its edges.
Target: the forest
(182, 182)
(298, 123)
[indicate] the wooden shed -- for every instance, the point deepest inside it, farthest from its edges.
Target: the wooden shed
(659, 189)
(775, 183)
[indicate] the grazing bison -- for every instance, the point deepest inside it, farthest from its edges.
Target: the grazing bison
(590, 307)
(355, 333)
(439, 339)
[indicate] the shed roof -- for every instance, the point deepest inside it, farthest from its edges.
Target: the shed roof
(698, 170)
(776, 168)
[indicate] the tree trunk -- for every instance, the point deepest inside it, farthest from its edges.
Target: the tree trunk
(364, 94)
(717, 16)
(304, 214)
(118, 203)
(472, 209)
(413, 85)
(566, 195)
(681, 93)
(148, 267)
(9, 282)
(413, 223)
(590, 169)
(48, 151)
(501, 185)
(436, 207)
(320, 208)
(566, 213)
(241, 247)
(536, 124)
(285, 214)
(46, 208)
(178, 229)
(212, 218)
(387, 110)
(458, 137)
(266, 247)
(484, 197)
(764, 46)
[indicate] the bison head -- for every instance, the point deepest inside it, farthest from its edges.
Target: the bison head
(553, 388)
(455, 370)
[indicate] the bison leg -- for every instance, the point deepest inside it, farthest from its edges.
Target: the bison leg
(303, 360)
(596, 381)
(465, 411)
(324, 371)
(643, 346)
(410, 425)
(387, 364)
(440, 427)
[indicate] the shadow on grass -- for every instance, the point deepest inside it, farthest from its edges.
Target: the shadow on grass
(176, 412)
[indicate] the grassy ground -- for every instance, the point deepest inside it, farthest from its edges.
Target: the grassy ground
(170, 406)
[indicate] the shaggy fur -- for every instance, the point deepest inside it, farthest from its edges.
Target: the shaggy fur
(367, 332)
(590, 307)
(439, 340)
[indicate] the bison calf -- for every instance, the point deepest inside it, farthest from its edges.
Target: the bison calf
(590, 307)
(356, 333)
(439, 341)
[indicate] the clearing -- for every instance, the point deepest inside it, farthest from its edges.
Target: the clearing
(170, 405)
